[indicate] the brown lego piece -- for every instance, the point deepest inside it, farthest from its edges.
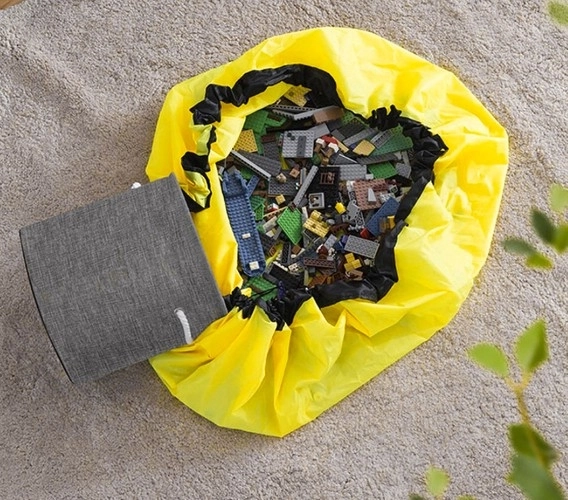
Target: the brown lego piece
(327, 115)
(320, 263)
(318, 279)
(361, 188)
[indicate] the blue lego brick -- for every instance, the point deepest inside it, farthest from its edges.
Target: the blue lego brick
(388, 208)
(361, 246)
(241, 218)
(251, 185)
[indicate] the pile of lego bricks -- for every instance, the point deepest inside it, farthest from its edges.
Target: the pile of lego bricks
(311, 193)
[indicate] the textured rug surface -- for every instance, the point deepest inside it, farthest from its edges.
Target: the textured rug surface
(81, 85)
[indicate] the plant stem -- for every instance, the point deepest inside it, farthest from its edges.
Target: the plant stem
(518, 389)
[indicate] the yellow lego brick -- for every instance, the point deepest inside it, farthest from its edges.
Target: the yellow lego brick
(280, 199)
(343, 147)
(319, 228)
(340, 208)
(364, 148)
(297, 95)
(246, 142)
(351, 266)
(315, 215)
(349, 257)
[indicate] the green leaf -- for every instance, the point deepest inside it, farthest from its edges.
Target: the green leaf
(560, 243)
(437, 481)
(558, 197)
(543, 226)
(534, 480)
(559, 12)
(466, 497)
(531, 348)
(415, 496)
(526, 440)
(539, 261)
(518, 246)
(491, 357)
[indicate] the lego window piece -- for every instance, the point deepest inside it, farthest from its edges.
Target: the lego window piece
(316, 200)
(242, 220)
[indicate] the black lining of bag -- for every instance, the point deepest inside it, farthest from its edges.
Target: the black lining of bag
(427, 148)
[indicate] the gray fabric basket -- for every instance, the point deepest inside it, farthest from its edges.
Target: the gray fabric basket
(116, 280)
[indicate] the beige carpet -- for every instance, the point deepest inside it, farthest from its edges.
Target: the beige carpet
(81, 84)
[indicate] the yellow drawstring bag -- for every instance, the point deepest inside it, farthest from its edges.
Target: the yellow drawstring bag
(246, 371)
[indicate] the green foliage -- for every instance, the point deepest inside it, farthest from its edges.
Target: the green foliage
(543, 226)
(560, 242)
(539, 261)
(553, 235)
(526, 440)
(437, 481)
(558, 198)
(490, 357)
(534, 479)
(532, 456)
(531, 349)
(559, 12)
